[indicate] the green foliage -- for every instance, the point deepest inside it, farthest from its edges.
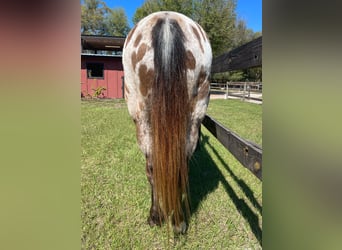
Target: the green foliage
(242, 34)
(150, 6)
(217, 17)
(93, 17)
(116, 23)
(220, 77)
(147, 8)
(233, 76)
(98, 91)
(252, 74)
(98, 19)
(236, 76)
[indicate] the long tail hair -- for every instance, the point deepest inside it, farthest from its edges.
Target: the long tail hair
(170, 120)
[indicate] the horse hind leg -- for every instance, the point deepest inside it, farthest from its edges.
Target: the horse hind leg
(181, 228)
(155, 218)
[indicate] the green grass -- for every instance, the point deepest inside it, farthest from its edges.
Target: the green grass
(226, 198)
(243, 118)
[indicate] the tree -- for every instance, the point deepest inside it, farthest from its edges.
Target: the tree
(150, 6)
(217, 17)
(242, 34)
(98, 19)
(116, 23)
(93, 14)
(254, 74)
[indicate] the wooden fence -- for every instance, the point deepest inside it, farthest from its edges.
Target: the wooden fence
(247, 153)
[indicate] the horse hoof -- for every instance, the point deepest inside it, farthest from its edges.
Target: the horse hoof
(153, 221)
(180, 229)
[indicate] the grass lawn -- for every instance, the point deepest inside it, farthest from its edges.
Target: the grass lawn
(243, 118)
(226, 199)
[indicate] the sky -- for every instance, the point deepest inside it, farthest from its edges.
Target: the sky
(248, 10)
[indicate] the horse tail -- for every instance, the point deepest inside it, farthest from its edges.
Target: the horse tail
(170, 121)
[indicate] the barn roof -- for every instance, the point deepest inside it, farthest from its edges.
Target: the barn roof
(92, 42)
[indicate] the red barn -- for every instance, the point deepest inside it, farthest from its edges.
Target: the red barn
(101, 66)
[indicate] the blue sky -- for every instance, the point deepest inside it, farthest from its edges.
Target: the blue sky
(248, 10)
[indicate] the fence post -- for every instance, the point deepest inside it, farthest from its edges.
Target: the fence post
(244, 91)
(227, 91)
(249, 90)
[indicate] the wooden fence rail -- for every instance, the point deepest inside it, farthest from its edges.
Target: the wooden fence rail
(247, 153)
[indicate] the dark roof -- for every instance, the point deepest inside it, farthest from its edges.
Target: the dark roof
(91, 42)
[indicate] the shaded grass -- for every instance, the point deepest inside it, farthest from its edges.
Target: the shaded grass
(226, 198)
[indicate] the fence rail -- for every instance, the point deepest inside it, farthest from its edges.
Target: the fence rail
(236, 85)
(244, 90)
(247, 153)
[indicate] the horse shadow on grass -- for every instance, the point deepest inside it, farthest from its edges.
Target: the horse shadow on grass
(204, 178)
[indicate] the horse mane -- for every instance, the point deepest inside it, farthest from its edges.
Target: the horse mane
(170, 120)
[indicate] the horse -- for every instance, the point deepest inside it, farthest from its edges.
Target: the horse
(167, 60)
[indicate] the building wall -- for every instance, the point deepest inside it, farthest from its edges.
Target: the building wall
(112, 77)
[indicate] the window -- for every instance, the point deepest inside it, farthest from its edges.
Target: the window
(95, 70)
